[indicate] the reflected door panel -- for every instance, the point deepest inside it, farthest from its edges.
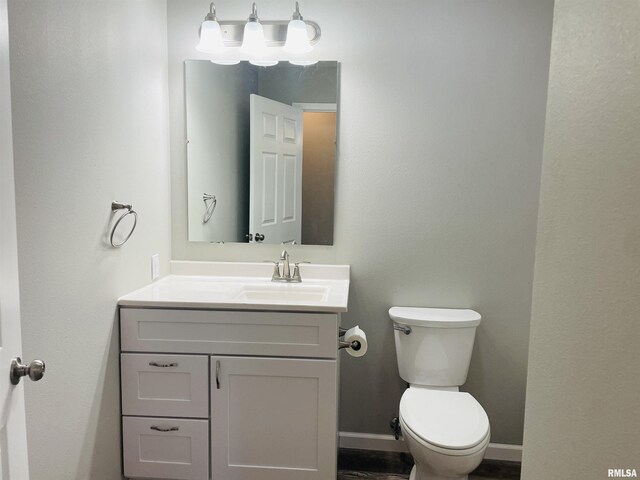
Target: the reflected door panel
(275, 193)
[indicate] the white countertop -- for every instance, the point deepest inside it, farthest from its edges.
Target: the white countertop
(245, 286)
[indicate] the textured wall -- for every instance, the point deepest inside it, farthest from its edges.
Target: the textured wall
(89, 92)
(583, 389)
(441, 123)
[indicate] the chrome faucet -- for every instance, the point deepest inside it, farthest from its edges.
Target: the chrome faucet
(286, 275)
(286, 269)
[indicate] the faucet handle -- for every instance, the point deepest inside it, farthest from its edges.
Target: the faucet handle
(296, 271)
(276, 269)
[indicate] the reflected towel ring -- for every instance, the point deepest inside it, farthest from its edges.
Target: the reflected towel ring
(209, 207)
(129, 211)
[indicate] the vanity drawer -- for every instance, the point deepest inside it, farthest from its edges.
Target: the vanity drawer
(165, 448)
(229, 332)
(165, 385)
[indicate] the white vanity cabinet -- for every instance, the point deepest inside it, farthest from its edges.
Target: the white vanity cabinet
(229, 394)
(273, 418)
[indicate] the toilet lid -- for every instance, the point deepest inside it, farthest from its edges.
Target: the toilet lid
(453, 420)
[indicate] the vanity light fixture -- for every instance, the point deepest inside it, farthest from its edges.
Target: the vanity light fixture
(257, 39)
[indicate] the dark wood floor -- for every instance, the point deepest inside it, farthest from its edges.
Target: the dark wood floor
(367, 464)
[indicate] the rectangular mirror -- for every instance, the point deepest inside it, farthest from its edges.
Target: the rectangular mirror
(261, 152)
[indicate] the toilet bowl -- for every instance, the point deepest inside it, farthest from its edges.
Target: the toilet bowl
(447, 431)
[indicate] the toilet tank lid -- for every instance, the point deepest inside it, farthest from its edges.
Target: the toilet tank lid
(435, 317)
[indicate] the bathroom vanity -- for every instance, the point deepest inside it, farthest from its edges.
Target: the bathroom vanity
(226, 375)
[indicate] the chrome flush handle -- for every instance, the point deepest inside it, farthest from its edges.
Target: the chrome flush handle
(406, 329)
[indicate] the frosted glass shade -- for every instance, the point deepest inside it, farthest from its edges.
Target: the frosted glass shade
(253, 40)
(303, 63)
(210, 37)
(297, 38)
(225, 61)
(263, 63)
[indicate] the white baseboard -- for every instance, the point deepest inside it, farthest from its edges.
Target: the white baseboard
(371, 441)
(504, 452)
(387, 443)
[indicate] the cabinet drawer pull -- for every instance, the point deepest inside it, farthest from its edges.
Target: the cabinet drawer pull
(217, 374)
(162, 365)
(164, 429)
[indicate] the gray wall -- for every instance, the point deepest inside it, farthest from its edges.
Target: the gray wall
(90, 116)
(217, 117)
(442, 108)
(583, 389)
(289, 84)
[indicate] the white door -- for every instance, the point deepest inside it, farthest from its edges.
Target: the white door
(273, 418)
(275, 198)
(13, 435)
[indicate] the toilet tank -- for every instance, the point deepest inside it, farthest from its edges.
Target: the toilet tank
(434, 345)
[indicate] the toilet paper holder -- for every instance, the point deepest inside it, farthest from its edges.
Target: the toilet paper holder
(355, 345)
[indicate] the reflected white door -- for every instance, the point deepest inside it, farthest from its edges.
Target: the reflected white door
(275, 194)
(13, 437)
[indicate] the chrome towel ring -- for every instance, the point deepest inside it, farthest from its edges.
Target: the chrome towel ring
(129, 211)
(209, 208)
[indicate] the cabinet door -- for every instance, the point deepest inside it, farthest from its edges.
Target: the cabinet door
(273, 418)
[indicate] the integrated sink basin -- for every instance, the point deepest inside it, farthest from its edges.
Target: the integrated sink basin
(286, 293)
(245, 286)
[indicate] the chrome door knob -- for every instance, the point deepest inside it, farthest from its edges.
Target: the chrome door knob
(35, 370)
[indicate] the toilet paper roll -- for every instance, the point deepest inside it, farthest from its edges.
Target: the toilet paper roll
(356, 334)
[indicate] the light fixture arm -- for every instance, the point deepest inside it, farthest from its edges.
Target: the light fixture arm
(211, 16)
(296, 15)
(253, 17)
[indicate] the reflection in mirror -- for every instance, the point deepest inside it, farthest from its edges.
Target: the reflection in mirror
(261, 152)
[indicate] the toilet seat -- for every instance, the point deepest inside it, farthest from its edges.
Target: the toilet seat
(450, 422)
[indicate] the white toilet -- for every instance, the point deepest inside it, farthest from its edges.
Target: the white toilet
(447, 431)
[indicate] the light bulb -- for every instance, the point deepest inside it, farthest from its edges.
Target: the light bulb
(210, 37)
(297, 38)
